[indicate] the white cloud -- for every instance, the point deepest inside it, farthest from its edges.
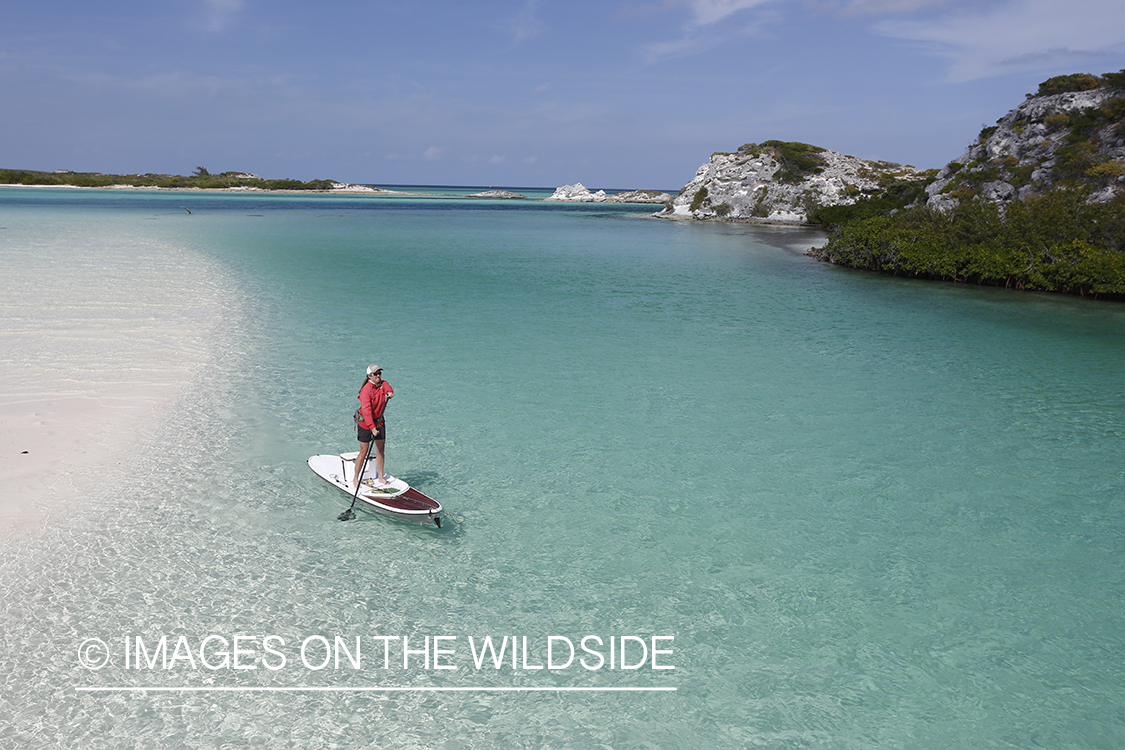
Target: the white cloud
(1018, 35)
(684, 47)
(220, 13)
(433, 153)
(896, 7)
(980, 38)
(705, 13)
(708, 12)
(526, 25)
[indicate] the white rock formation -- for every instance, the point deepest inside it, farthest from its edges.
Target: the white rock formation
(344, 187)
(506, 194)
(639, 196)
(577, 192)
(766, 183)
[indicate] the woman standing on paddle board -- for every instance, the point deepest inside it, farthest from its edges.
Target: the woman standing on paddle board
(370, 425)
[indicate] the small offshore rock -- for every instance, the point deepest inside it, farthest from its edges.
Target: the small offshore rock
(639, 196)
(344, 187)
(497, 194)
(577, 192)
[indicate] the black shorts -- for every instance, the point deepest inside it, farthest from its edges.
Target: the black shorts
(366, 436)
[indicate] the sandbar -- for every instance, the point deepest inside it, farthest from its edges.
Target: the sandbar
(101, 331)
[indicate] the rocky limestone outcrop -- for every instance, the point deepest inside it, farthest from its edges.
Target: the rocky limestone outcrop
(1073, 139)
(577, 192)
(778, 182)
(639, 196)
(343, 187)
(505, 194)
(580, 193)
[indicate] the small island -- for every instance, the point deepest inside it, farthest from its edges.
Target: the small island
(579, 193)
(200, 179)
(505, 194)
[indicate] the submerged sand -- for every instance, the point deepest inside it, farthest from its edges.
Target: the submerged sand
(101, 330)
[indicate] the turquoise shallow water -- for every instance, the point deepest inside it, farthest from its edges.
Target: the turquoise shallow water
(869, 512)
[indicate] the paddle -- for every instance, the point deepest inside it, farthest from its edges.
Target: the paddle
(349, 514)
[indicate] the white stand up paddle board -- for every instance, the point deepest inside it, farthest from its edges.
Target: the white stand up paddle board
(396, 498)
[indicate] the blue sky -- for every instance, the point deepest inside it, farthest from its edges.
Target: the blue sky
(614, 94)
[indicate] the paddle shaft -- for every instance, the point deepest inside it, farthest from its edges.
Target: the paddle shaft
(358, 477)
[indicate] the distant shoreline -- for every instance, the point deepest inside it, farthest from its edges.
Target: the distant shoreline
(344, 189)
(200, 180)
(348, 190)
(203, 181)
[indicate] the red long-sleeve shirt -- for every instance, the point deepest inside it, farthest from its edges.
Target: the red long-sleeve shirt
(372, 402)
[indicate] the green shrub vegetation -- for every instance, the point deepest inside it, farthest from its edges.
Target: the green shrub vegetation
(1115, 80)
(200, 178)
(1056, 242)
(1057, 120)
(761, 210)
(798, 160)
(698, 199)
(1080, 82)
(1072, 82)
(895, 195)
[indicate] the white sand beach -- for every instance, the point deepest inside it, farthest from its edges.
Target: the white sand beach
(101, 329)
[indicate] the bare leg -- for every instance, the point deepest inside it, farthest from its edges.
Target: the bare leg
(360, 460)
(380, 455)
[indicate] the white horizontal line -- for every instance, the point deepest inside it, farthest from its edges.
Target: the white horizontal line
(300, 689)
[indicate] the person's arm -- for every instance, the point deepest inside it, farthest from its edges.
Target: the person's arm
(379, 401)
